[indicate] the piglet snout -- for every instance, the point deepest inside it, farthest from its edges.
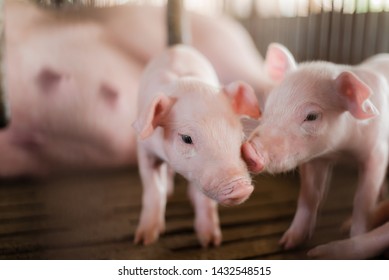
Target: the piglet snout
(236, 193)
(254, 160)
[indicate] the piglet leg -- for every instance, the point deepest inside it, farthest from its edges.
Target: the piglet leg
(346, 226)
(206, 218)
(156, 177)
(314, 176)
(170, 181)
(372, 174)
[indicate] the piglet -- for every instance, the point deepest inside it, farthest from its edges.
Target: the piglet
(321, 113)
(190, 125)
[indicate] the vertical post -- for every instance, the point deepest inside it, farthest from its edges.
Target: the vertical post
(176, 23)
(4, 109)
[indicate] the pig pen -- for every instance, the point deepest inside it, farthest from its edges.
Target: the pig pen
(94, 215)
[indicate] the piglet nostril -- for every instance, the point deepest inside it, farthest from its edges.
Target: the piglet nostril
(240, 194)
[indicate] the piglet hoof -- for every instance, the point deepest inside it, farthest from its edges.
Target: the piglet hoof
(346, 226)
(149, 230)
(293, 238)
(208, 233)
(208, 238)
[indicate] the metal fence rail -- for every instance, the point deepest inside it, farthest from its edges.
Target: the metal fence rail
(332, 36)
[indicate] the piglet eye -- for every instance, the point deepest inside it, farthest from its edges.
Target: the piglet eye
(311, 117)
(186, 139)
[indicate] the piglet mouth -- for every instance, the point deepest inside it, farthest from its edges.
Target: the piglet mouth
(236, 192)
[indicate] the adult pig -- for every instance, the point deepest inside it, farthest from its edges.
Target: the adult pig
(188, 124)
(73, 77)
(321, 113)
(72, 94)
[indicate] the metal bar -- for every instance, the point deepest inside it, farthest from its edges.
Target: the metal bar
(325, 26)
(176, 23)
(59, 3)
(52, 3)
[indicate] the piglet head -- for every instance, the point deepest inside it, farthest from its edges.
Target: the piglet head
(202, 136)
(306, 115)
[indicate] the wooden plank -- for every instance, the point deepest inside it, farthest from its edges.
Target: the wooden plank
(94, 217)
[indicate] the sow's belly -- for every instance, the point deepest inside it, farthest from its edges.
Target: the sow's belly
(73, 100)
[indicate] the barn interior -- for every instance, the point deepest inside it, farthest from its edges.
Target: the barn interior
(94, 214)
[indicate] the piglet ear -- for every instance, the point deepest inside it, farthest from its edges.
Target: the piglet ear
(278, 62)
(355, 95)
(153, 116)
(243, 99)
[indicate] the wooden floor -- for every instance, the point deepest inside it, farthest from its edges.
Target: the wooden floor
(94, 216)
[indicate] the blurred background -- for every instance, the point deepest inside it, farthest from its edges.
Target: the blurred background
(342, 31)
